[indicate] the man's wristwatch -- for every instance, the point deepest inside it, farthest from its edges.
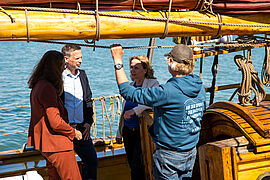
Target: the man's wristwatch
(118, 66)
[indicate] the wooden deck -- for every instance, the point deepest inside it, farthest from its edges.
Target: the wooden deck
(112, 163)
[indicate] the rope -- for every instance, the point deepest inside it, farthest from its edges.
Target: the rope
(14, 107)
(103, 117)
(97, 23)
(79, 7)
(27, 26)
(141, 2)
(214, 69)
(158, 47)
(206, 6)
(13, 133)
(133, 5)
(118, 112)
(5, 12)
(134, 17)
(166, 30)
(265, 76)
(94, 125)
(249, 82)
(102, 99)
(97, 28)
(112, 109)
(219, 27)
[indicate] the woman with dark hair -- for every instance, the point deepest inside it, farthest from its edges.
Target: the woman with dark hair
(142, 75)
(49, 130)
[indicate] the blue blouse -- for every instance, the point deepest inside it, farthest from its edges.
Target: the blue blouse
(133, 121)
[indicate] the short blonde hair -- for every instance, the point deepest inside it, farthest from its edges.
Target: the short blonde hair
(146, 65)
(182, 68)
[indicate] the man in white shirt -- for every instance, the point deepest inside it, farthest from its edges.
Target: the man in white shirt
(77, 100)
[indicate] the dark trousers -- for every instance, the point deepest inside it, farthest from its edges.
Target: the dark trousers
(86, 151)
(132, 142)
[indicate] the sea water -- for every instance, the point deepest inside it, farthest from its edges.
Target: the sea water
(19, 58)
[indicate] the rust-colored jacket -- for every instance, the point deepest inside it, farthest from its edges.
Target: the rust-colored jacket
(49, 130)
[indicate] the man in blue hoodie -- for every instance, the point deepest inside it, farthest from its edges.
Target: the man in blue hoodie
(178, 108)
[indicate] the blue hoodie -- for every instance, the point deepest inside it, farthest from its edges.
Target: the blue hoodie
(178, 108)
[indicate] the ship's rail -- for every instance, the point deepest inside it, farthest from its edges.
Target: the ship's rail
(106, 115)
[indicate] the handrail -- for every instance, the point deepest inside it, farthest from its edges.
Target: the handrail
(109, 113)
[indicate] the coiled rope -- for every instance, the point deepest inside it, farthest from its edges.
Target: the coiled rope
(265, 76)
(250, 83)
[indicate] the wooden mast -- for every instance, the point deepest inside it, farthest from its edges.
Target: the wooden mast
(71, 26)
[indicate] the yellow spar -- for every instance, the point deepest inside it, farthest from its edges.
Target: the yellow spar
(39, 25)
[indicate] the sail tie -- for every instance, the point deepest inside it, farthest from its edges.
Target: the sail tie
(166, 30)
(97, 28)
(79, 7)
(97, 22)
(220, 24)
(6, 13)
(27, 26)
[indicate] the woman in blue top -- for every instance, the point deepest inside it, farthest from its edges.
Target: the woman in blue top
(142, 76)
(178, 108)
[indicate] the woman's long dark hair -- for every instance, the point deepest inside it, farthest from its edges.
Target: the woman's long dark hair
(50, 68)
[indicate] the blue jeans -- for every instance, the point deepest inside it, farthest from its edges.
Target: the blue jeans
(173, 165)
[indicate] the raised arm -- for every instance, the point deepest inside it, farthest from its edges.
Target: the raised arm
(117, 54)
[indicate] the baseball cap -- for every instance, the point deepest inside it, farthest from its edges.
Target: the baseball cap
(180, 52)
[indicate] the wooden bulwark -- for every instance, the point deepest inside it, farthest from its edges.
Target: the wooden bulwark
(231, 120)
(112, 163)
(233, 159)
(148, 146)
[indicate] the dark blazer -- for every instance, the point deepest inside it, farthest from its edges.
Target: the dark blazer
(87, 98)
(49, 130)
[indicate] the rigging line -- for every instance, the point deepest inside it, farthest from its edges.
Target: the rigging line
(219, 27)
(79, 7)
(141, 2)
(27, 26)
(13, 133)
(135, 17)
(166, 30)
(97, 23)
(133, 5)
(157, 47)
(94, 125)
(14, 107)
(5, 12)
(107, 116)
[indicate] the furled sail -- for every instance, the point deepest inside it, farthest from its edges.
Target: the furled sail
(107, 4)
(217, 6)
(241, 7)
(48, 25)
